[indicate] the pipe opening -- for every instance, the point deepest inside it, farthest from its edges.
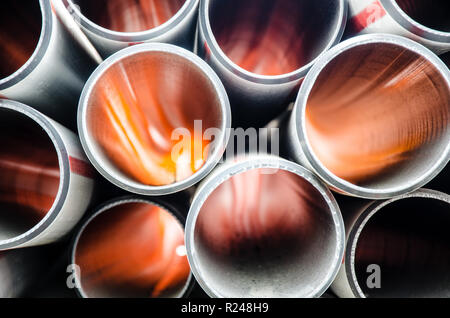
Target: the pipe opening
(148, 113)
(129, 15)
(273, 37)
(265, 233)
(30, 174)
(378, 116)
(20, 30)
(133, 249)
(432, 14)
(410, 241)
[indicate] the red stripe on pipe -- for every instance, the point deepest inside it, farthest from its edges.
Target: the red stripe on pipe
(81, 167)
(371, 14)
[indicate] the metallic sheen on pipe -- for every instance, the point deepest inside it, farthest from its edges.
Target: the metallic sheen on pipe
(112, 25)
(264, 227)
(136, 101)
(425, 21)
(41, 63)
(46, 182)
(263, 49)
(132, 247)
(372, 117)
(407, 237)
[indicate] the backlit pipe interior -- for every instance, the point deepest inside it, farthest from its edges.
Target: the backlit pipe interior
(430, 13)
(410, 241)
(264, 233)
(138, 103)
(132, 250)
(378, 115)
(129, 15)
(29, 173)
(273, 37)
(20, 29)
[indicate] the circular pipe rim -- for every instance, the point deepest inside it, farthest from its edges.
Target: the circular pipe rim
(228, 170)
(300, 118)
(211, 161)
(39, 51)
(188, 7)
(112, 204)
(225, 61)
(400, 16)
(358, 227)
(64, 179)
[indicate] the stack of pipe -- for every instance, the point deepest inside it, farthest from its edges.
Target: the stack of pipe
(119, 162)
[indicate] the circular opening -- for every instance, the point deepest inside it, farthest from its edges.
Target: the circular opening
(378, 116)
(409, 240)
(433, 14)
(149, 115)
(273, 37)
(129, 15)
(133, 249)
(20, 30)
(30, 174)
(265, 233)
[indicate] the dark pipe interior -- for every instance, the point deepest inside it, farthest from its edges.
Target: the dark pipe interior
(434, 14)
(29, 171)
(378, 115)
(273, 37)
(20, 29)
(264, 233)
(129, 15)
(410, 241)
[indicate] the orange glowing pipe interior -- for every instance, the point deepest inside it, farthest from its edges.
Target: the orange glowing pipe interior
(271, 37)
(133, 250)
(138, 104)
(374, 109)
(129, 15)
(29, 172)
(20, 28)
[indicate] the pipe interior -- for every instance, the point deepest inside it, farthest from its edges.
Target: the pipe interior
(378, 116)
(129, 15)
(264, 233)
(142, 113)
(29, 171)
(20, 30)
(410, 241)
(430, 13)
(133, 250)
(273, 37)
